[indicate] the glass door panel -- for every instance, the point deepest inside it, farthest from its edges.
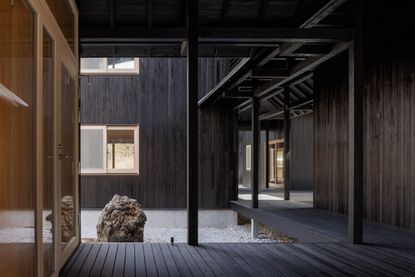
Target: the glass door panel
(68, 222)
(48, 153)
(17, 139)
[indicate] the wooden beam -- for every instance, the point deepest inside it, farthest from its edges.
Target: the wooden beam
(287, 153)
(355, 151)
(235, 161)
(214, 36)
(322, 13)
(293, 106)
(192, 124)
(255, 151)
(302, 68)
(230, 78)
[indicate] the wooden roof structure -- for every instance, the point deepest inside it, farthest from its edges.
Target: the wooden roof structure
(271, 43)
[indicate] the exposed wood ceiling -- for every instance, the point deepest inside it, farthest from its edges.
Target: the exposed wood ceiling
(278, 43)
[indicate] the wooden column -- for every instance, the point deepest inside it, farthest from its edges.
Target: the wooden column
(267, 158)
(255, 151)
(235, 154)
(355, 151)
(287, 127)
(192, 123)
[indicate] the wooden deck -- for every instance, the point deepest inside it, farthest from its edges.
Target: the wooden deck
(307, 259)
(310, 225)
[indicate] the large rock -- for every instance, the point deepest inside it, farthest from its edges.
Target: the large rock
(122, 220)
(67, 218)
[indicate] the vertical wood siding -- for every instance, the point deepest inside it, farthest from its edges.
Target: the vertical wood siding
(389, 135)
(302, 154)
(156, 100)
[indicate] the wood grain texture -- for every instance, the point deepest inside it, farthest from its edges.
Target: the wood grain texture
(242, 259)
(302, 154)
(155, 99)
(389, 135)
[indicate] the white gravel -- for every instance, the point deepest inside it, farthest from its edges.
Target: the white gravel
(229, 234)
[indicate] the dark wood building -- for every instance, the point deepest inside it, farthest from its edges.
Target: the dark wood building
(155, 100)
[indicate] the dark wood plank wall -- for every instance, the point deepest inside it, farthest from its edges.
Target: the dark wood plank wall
(389, 167)
(302, 153)
(155, 99)
(331, 136)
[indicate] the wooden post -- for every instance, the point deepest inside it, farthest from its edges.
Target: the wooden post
(192, 123)
(356, 91)
(255, 151)
(267, 158)
(235, 155)
(287, 127)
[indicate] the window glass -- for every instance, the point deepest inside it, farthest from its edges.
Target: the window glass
(92, 145)
(109, 65)
(48, 153)
(248, 157)
(120, 149)
(112, 149)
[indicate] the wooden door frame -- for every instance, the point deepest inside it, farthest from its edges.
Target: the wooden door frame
(62, 55)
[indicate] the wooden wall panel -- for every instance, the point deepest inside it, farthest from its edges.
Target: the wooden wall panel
(156, 100)
(389, 137)
(331, 136)
(302, 151)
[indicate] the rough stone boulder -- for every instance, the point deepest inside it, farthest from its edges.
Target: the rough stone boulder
(67, 220)
(122, 220)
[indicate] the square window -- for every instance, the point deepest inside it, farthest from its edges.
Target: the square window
(109, 149)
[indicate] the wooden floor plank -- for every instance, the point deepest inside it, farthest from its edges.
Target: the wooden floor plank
(90, 260)
(100, 260)
(140, 262)
(181, 264)
(283, 263)
(69, 264)
(110, 260)
(225, 262)
(265, 268)
(208, 260)
(240, 260)
(308, 248)
(204, 267)
(188, 259)
(150, 265)
(365, 258)
(237, 259)
(170, 262)
(349, 260)
(129, 270)
(119, 260)
(159, 260)
(80, 260)
(305, 259)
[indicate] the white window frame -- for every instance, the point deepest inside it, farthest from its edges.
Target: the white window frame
(248, 157)
(113, 71)
(113, 171)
